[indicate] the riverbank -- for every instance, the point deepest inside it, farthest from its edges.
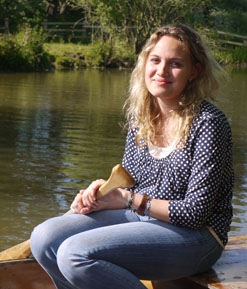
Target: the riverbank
(76, 56)
(32, 53)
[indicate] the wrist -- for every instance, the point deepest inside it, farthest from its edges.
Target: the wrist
(139, 203)
(125, 195)
(144, 206)
(136, 202)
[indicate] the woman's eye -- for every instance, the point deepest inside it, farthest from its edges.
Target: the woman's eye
(176, 64)
(155, 60)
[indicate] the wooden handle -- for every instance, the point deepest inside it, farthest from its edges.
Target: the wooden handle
(119, 178)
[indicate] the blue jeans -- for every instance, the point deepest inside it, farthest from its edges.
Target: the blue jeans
(116, 248)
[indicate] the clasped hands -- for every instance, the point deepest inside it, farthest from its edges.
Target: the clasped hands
(86, 200)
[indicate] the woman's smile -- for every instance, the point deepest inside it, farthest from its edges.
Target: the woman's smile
(161, 81)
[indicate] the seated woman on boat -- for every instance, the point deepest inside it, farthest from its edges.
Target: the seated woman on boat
(174, 221)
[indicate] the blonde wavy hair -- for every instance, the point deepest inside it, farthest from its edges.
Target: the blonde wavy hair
(142, 110)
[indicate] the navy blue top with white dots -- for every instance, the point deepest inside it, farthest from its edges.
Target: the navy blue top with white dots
(197, 179)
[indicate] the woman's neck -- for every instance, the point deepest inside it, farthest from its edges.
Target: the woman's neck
(167, 107)
(166, 130)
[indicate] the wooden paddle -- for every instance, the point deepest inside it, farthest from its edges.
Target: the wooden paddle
(119, 178)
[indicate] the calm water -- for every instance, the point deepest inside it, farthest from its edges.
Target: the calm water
(61, 130)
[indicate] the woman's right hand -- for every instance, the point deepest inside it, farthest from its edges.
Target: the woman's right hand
(86, 200)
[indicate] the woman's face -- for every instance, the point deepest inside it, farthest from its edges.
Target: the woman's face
(168, 70)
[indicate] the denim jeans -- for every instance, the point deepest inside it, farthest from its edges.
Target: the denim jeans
(116, 248)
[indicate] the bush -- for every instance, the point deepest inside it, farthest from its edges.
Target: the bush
(26, 54)
(110, 54)
(13, 57)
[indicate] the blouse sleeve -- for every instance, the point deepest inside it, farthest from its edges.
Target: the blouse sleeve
(131, 156)
(210, 182)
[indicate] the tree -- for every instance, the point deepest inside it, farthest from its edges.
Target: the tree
(230, 15)
(134, 20)
(21, 12)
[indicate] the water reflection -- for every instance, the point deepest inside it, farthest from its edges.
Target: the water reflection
(58, 132)
(61, 130)
(234, 104)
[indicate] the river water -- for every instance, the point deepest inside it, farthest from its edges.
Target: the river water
(59, 131)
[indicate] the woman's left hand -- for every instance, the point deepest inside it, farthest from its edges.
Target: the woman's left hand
(86, 200)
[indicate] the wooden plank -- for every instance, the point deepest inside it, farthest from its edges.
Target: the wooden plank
(230, 272)
(27, 274)
(232, 42)
(231, 34)
(183, 283)
(65, 30)
(59, 23)
(23, 274)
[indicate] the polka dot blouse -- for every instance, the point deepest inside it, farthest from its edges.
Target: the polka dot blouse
(197, 180)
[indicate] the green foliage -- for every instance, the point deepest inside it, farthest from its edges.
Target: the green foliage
(121, 27)
(21, 12)
(136, 20)
(25, 55)
(13, 57)
(234, 56)
(109, 54)
(69, 62)
(230, 16)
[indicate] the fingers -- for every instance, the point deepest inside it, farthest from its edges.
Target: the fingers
(86, 200)
(77, 204)
(89, 196)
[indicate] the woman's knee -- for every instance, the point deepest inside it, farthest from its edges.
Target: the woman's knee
(70, 258)
(43, 238)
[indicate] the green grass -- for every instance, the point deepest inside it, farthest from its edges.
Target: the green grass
(31, 52)
(62, 49)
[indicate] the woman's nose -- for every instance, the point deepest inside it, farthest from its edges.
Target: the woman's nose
(163, 69)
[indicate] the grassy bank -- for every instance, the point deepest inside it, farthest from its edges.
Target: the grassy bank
(31, 52)
(97, 54)
(74, 56)
(67, 56)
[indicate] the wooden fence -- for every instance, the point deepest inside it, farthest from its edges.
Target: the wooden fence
(238, 40)
(79, 30)
(82, 31)
(69, 30)
(5, 28)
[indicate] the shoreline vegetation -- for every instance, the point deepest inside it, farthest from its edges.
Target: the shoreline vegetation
(30, 51)
(50, 35)
(19, 54)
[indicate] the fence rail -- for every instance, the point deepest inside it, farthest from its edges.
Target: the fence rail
(68, 29)
(235, 39)
(80, 30)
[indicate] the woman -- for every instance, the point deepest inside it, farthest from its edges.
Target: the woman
(179, 151)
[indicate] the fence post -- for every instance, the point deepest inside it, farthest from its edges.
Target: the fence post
(6, 25)
(45, 25)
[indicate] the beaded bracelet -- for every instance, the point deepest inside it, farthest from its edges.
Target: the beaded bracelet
(148, 206)
(130, 200)
(142, 208)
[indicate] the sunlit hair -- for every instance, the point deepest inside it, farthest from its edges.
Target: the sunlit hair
(142, 109)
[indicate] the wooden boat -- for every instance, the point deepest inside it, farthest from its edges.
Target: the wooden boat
(230, 272)
(23, 274)
(27, 274)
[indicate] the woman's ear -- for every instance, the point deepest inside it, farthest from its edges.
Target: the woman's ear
(196, 70)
